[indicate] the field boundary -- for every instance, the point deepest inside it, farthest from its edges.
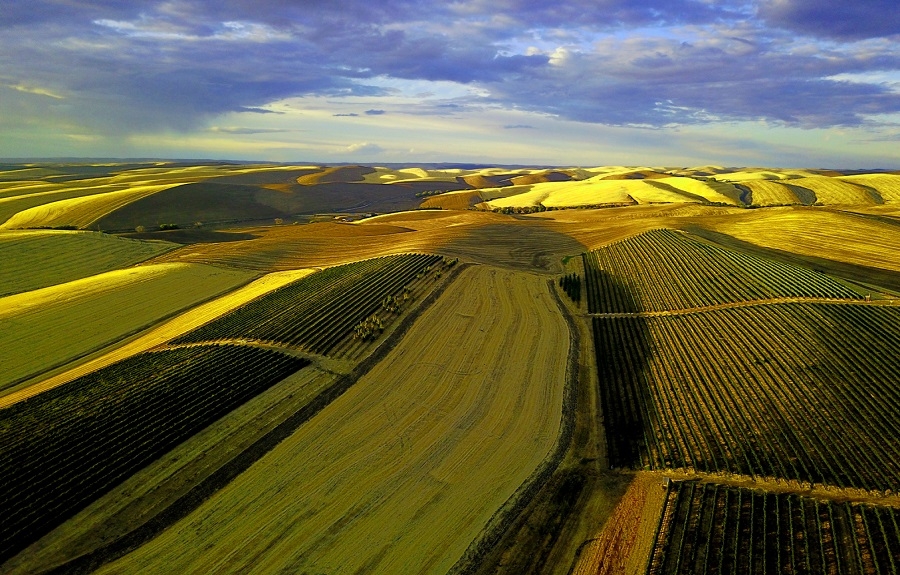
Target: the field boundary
(508, 518)
(219, 478)
(738, 304)
(31, 385)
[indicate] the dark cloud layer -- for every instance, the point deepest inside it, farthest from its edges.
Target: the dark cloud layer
(126, 67)
(839, 19)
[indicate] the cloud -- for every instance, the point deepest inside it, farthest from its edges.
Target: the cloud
(350, 115)
(37, 91)
(836, 19)
(518, 127)
(721, 74)
(238, 130)
(364, 148)
(152, 65)
(257, 110)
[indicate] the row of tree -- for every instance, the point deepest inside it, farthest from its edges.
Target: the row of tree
(571, 284)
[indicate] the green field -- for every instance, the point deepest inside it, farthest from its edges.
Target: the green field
(65, 256)
(46, 328)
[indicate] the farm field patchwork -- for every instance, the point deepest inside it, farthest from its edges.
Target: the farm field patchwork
(146, 502)
(484, 237)
(720, 373)
(45, 328)
(80, 212)
(709, 528)
(65, 447)
(429, 444)
(161, 334)
(757, 189)
(734, 352)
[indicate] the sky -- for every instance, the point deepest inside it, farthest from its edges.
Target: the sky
(789, 83)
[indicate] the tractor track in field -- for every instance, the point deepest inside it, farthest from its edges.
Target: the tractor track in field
(548, 480)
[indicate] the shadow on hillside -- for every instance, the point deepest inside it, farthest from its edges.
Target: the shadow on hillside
(848, 271)
(623, 348)
(520, 245)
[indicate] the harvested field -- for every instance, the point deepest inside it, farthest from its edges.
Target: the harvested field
(540, 177)
(335, 175)
(483, 237)
(65, 256)
(73, 194)
(452, 200)
(479, 181)
(887, 185)
(49, 327)
(429, 443)
(599, 191)
(709, 191)
(626, 541)
(764, 192)
(815, 232)
(27, 187)
(751, 174)
(10, 205)
(206, 202)
(838, 191)
(216, 202)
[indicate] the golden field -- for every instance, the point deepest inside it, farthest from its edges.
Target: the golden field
(470, 434)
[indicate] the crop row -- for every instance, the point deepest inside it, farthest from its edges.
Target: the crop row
(805, 392)
(668, 270)
(320, 311)
(62, 449)
(710, 528)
